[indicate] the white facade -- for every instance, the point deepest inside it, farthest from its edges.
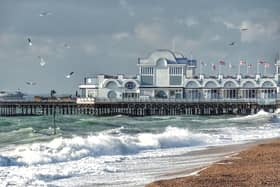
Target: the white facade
(168, 75)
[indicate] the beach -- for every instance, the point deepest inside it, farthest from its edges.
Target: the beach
(257, 165)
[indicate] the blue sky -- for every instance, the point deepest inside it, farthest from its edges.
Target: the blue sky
(108, 36)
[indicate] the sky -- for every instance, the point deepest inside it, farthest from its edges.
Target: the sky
(107, 36)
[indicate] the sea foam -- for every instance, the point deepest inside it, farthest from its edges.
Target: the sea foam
(67, 149)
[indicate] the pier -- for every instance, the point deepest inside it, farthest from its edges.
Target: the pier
(138, 107)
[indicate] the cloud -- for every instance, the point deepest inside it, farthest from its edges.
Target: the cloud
(260, 31)
(216, 38)
(16, 44)
(189, 22)
(230, 25)
(227, 24)
(183, 44)
(120, 35)
(90, 49)
(7, 38)
(127, 7)
(149, 33)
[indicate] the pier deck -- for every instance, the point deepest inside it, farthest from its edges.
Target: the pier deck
(137, 107)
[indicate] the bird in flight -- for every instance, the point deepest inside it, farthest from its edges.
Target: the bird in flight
(66, 46)
(45, 13)
(31, 83)
(42, 61)
(29, 41)
(69, 75)
(232, 43)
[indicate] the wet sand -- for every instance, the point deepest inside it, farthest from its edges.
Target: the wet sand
(258, 165)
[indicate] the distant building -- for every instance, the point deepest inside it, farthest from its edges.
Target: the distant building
(169, 75)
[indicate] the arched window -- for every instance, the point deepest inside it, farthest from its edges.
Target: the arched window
(192, 84)
(248, 84)
(211, 84)
(130, 85)
(111, 85)
(230, 84)
(267, 84)
(112, 94)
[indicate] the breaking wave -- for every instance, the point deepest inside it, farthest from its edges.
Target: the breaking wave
(261, 115)
(67, 149)
(120, 142)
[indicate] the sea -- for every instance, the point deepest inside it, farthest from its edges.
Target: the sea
(119, 150)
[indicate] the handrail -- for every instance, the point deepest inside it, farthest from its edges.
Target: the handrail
(154, 100)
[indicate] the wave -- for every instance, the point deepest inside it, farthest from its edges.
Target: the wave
(67, 149)
(261, 115)
(120, 141)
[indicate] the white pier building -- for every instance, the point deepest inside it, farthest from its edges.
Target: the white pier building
(167, 75)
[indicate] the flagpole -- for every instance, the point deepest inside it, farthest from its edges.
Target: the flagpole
(200, 67)
(258, 68)
(219, 69)
(239, 69)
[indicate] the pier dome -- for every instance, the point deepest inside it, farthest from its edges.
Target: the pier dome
(170, 57)
(162, 62)
(162, 54)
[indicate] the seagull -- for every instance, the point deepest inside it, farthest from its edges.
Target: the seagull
(29, 41)
(45, 13)
(66, 46)
(232, 43)
(69, 75)
(42, 61)
(31, 83)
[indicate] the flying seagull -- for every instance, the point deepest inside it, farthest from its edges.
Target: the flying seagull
(42, 61)
(69, 75)
(29, 41)
(232, 43)
(45, 13)
(66, 46)
(31, 83)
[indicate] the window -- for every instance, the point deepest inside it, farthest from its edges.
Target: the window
(130, 85)
(175, 70)
(160, 94)
(147, 70)
(112, 95)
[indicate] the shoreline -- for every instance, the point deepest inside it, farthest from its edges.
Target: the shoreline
(249, 164)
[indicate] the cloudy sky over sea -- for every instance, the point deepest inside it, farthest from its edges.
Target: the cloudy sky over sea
(91, 37)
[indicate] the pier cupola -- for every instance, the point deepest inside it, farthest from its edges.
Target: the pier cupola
(165, 68)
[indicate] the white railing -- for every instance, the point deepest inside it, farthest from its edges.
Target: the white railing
(186, 100)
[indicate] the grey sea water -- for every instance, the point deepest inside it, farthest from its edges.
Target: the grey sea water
(118, 150)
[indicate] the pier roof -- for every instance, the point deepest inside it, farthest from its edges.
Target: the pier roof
(169, 56)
